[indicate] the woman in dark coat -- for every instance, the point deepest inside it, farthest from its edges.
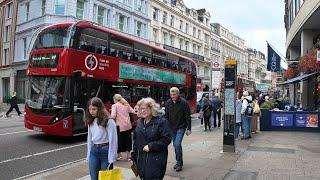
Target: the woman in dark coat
(150, 141)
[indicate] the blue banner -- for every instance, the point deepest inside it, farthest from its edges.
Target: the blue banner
(282, 119)
(301, 120)
(273, 60)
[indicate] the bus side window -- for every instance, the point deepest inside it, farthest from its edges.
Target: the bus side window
(160, 58)
(90, 40)
(142, 54)
(173, 61)
(120, 48)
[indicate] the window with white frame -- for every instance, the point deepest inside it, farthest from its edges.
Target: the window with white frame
(181, 44)
(194, 48)
(155, 14)
(172, 21)
(109, 16)
(199, 50)
(60, 7)
(7, 33)
(138, 28)
(43, 7)
(139, 5)
(5, 57)
(164, 17)
(199, 34)
(165, 38)
(121, 22)
(172, 38)
(80, 9)
(181, 25)
(206, 52)
(187, 28)
(194, 31)
(155, 34)
(100, 17)
(27, 10)
(9, 10)
(187, 45)
(24, 40)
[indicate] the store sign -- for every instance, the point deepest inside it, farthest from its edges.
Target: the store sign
(130, 71)
(282, 120)
(307, 120)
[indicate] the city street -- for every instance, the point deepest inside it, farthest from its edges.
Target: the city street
(24, 152)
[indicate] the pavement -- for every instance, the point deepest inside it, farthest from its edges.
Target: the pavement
(267, 156)
(4, 107)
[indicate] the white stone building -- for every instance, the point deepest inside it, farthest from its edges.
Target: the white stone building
(183, 30)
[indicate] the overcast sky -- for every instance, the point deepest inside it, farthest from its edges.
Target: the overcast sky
(256, 21)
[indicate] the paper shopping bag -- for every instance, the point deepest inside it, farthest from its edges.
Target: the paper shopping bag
(114, 174)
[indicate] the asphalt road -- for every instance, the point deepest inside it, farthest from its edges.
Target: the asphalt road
(24, 152)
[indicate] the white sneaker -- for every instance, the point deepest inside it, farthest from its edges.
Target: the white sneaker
(5, 116)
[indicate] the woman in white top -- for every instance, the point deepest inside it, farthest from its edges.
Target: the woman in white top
(102, 138)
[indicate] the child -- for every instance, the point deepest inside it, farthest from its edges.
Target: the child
(102, 138)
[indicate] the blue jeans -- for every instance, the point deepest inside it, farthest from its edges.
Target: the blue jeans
(98, 160)
(246, 126)
(177, 136)
(236, 130)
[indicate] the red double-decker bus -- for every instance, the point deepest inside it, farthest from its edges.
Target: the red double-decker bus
(73, 62)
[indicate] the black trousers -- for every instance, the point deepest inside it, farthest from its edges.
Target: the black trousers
(207, 123)
(13, 107)
(124, 141)
(215, 114)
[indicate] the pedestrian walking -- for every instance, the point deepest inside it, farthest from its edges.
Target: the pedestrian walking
(217, 105)
(120, 113)
(178, 114)
(238, 117)
(255, 117)
(150, 141)
(13, 104)
(246, 114)
(207, 109)
(102, 139)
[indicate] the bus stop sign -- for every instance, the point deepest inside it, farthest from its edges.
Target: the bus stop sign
(229, 105)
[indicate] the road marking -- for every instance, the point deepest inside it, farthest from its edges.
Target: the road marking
(41, 153)
(50, 169)
(18, 132)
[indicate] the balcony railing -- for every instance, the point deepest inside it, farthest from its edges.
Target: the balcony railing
(184, 53)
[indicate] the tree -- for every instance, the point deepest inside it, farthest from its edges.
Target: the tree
(309, 63)
(291, 73)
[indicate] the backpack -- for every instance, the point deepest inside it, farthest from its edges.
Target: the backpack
(249, 110)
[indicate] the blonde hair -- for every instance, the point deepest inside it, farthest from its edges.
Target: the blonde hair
(174, 89)
(151, 103)
(119, 98)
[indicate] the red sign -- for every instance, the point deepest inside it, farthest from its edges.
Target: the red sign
(216, 65)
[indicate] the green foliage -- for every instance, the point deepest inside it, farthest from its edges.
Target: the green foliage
(267, 105)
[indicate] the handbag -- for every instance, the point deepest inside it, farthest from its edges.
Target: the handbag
(200, 115)
(114, 174)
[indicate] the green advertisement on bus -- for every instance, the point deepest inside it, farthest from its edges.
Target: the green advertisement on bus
(130, 71)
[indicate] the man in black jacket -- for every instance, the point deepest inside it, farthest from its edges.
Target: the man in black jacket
(13, 104)
(178, 114)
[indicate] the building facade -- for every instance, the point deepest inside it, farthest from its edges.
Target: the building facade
(128, 16)
(8, 11)
(186, 31)
(257, 66)
(303, 35)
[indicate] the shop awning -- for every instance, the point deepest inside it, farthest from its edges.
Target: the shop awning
(299, 78)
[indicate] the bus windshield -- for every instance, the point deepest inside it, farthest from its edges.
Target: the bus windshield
(51, 38)
(47, 92)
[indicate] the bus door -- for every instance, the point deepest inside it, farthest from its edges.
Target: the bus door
(83, 89)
